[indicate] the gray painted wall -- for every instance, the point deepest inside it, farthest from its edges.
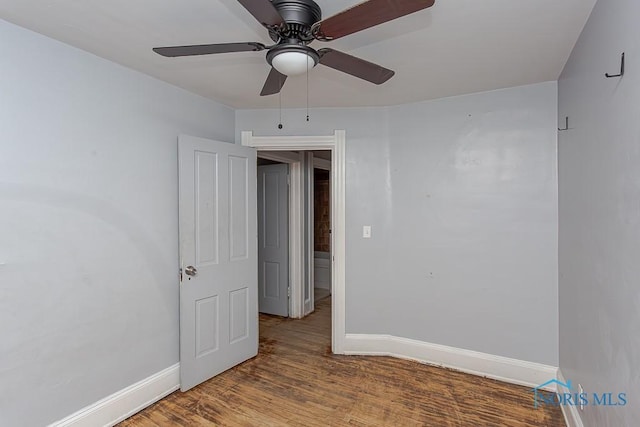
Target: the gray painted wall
(88, 224)
(600, 213)
(461, 194)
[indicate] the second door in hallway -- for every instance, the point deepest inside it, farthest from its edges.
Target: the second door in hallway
(273, 239)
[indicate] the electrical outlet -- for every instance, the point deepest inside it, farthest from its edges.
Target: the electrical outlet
(581, 391)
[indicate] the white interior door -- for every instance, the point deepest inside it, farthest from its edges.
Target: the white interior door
(218, 251)
(273, 239)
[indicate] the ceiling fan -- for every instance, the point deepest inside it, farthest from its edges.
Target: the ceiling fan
(293, 24)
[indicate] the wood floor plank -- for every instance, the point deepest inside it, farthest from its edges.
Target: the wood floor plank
(296, 381)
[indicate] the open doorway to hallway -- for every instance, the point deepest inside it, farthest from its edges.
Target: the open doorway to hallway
(301, 299)
(279, 276)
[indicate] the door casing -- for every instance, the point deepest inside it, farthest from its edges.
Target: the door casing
(335, 143)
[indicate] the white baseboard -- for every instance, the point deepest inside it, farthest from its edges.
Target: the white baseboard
(570, 412)
(126, 402)
(500, 368)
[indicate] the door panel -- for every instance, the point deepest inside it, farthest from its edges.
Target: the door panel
(207, 326)
(218, 246)
(206, 217)
(239, 319)
(238, 200)
(271, 275)
(273, 239)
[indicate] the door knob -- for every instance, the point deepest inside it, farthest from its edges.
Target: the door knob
(190, 270)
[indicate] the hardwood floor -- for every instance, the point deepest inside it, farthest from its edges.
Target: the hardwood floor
(296, 381)
(320, 293)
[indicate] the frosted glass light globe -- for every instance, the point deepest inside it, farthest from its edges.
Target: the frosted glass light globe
(292, 63)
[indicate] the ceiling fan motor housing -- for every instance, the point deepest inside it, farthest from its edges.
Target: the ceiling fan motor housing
(299, 16)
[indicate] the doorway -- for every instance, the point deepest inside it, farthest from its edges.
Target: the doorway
(336, 145)
(274, 286)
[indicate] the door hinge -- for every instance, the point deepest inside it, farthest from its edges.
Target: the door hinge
(289, 292)
(288, 179)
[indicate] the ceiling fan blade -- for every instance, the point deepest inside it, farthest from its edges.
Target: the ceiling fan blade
(357, 67)
(273, 84)
(264, 12)
(208, 49)
(365, 15)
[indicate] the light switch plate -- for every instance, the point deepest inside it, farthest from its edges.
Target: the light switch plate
(366, 231)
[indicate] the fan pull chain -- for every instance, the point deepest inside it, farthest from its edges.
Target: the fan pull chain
(307, 90)
(280, 102)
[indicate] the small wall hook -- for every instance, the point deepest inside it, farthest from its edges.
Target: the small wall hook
(621, 69)
(566, 124)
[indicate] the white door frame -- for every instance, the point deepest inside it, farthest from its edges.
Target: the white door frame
(335, 143)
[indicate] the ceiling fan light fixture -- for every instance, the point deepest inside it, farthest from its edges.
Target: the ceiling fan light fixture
(292, 60)
(293, 63)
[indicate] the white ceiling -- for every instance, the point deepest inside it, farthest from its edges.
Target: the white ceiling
(455, 47)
